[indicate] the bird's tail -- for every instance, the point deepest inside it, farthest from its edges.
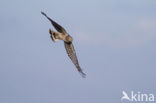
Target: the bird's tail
(53, 35)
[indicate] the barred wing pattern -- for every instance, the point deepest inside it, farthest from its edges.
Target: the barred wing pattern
(58, 27)
(72, 55)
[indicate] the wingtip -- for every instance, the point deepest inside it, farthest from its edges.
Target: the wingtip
(43, 13)
(82, 74)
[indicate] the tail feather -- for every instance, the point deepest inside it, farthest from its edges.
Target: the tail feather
(53, 35)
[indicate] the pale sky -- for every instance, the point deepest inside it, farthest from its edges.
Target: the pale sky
(114, 41)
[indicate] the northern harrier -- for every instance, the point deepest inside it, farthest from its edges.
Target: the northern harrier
(63, 35)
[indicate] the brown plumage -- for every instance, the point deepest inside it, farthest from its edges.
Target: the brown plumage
(63, 35)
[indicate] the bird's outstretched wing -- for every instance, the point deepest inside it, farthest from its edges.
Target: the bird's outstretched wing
(72, 55)
(58, 27)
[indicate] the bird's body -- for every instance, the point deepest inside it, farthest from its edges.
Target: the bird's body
(60, 36)
(63, 35)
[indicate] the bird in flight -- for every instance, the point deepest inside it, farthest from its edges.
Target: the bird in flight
(63, 35)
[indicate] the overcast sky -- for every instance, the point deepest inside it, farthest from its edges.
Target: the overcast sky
(115, 41)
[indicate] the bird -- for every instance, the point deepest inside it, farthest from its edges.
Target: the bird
(64, 36)
(125, 96)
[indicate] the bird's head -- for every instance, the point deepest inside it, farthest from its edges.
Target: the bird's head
(69, 38)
